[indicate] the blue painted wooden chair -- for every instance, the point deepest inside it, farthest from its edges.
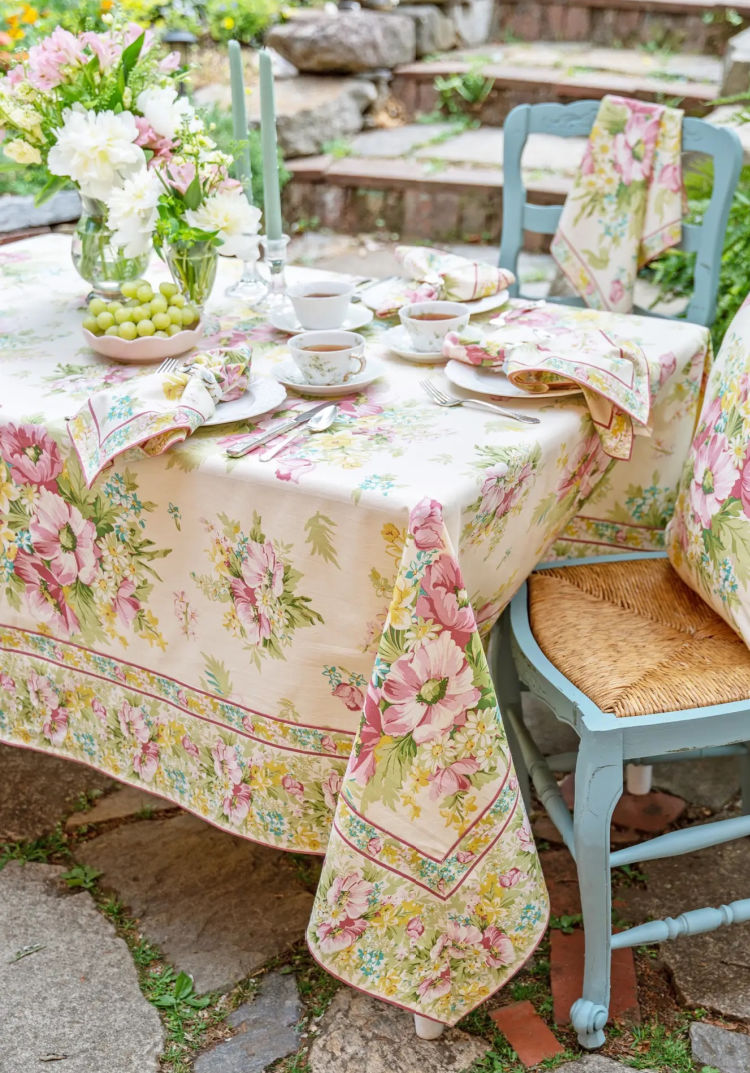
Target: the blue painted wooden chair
(582, 636)
(576, 120)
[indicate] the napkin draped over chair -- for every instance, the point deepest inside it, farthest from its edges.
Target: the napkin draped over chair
(151, 413)
(431, 274)
(626, 204)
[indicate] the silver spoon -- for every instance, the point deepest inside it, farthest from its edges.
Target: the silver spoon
(319, 423)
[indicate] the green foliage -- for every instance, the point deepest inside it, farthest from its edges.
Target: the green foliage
(219, 124)
(81, 876)
(245, 20)
(48, 847)
(463, 92)
(673, 271)
(170, 990)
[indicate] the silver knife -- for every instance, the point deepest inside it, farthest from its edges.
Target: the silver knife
(237, 450)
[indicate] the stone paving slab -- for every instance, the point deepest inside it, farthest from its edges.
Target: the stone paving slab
(597, 1063)
(710, 783)
(122, 804)
(398, 141)
(78, 996)
(484, 146)
(265, 1030)
(218, 906)
(727, 1051)
(355, 1025)
(711, 970)
(37, 790)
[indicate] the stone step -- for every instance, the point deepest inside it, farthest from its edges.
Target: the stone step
(425, 181)
(560, 71)
(691, 25)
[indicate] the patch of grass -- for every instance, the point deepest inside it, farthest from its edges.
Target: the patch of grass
(50, 848)
(566, 923)
(81, 876)
(652, 1045)
(338, 148)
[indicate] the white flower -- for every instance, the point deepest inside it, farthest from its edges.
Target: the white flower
(96, 150)
(22, 152)
(18, 114)
(229, 213)
(163, 110)
(132, 212)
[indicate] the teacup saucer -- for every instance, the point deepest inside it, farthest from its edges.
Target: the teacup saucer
(289, 375)
(285, 320)
(397, 339)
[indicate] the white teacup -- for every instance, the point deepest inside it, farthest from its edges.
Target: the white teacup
(328, 357)
(428, 323)
(321, 304)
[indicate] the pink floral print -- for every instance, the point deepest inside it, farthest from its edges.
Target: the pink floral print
(33, 456)
(65, 539)
(714, 477)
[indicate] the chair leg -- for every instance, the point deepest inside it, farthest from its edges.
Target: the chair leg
(745, 781)
(508, 691)
(426, 1028)
(598, 788)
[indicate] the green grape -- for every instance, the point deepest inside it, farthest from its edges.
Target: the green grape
(90, 324)
(138, 312)
(158, 304)
(173, 329)
(112, 307)
(175, 315)
(123, 315)
(130, 289)
(168, 289)
(96, 306)
(113, 329)
(177, 300)
(105, 320)
(127, 330)
(189, 315)
(145, 327)
(160, 335)
(145, 294)
(161, 321)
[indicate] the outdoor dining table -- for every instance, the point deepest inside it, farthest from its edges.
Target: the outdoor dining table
(293, 650)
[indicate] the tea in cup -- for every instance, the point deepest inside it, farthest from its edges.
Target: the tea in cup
(428, 323)
(321, 303)
(328, 357)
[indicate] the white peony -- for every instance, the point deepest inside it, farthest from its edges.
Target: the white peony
(132, 212)
(230, 214)
(96, 150)
(22, 152)
(163, 110)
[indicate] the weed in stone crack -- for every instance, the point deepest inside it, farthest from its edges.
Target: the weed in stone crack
(51, 847)
(307, 870)
(81, 876)
(566, 923)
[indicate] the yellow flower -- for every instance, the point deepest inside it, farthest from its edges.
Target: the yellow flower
(227, 22)
(400, 611)
(29, 14)
(106, 5)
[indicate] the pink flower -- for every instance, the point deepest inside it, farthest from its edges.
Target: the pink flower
(44, 594)
(667, 366)
(170, 63)
(498, 946)
(714, 476)
(47, 60)
(511, 877)
(133, 722)
(293, 786)
(338, 935)
(348, 896)
(428, 691)
(180, 176)
(670, 176)
(55, 726)
(457, 941)
(104, 48)
(133, 31)
(260, 569)
(66, 539)
(464, 856)
(6, 682)
(415, 928)
(236, 803)
(291, 469)
(634, 147)
(426, 523)
(453, 779)
(435, 986)
(499, 494)
(33, 456)
(147, 138)
(362, 762)
(42, 694)
(616, 292)
(225, 762)
(375, 846)
(352, 697)
(331, 786)
(327, 743)
(125, 605)
(583, 469)
(362, 409)
(146, 760)
(189, 746)
(745, 486)
(524, 836)
(442, 599)
(99, 711)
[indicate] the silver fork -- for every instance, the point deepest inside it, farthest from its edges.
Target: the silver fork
(168, 365)
(441, 398)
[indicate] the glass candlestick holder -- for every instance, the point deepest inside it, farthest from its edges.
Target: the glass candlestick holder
(274, 250)
(250, 288)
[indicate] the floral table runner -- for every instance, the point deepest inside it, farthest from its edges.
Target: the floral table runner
(292, 649)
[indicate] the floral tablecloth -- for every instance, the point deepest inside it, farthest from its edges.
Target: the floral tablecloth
(292, 650)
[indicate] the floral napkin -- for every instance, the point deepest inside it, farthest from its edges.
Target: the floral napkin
(431, 274)
(626, 204)
(612, 373)
(151, 413)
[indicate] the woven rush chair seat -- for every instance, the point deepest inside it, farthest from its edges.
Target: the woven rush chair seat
(635, 639)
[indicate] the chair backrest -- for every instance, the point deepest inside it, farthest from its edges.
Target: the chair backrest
(575, 120)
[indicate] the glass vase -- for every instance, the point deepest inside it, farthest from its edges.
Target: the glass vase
(193, 269)
(96, 257)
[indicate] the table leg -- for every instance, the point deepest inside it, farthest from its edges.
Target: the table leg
(638, 778)
(427, 1029)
